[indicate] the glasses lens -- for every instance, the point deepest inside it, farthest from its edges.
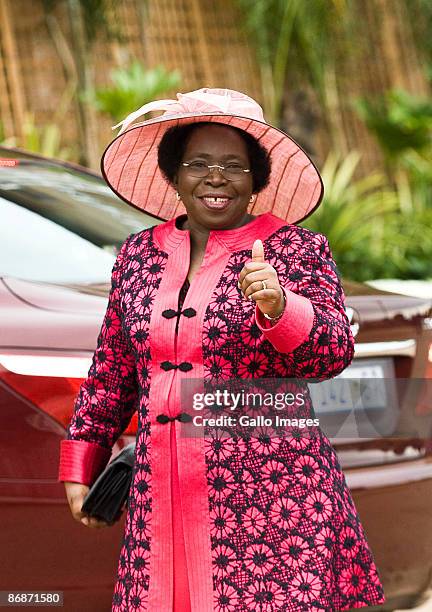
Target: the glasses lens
(233, 172)
(197, 169)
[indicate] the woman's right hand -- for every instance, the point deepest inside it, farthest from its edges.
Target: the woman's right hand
(75, 493)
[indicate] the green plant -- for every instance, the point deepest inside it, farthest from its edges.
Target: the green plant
(44, 140)
(353, 216)
(295, 41)
(407, 246)
(399, 121)
(96, 16)
(402, 125)
(133, 87)
(369, 234)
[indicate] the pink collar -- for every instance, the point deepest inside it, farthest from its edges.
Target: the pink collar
(168, 236)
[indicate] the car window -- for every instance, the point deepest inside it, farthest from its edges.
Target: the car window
(78, 202)
(35, 248)
(58, 224)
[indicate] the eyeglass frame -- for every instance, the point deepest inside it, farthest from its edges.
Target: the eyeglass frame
(221, 170)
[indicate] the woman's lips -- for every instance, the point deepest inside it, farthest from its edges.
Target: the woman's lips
(215, 203)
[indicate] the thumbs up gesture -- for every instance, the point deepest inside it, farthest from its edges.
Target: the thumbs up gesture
(259, 281)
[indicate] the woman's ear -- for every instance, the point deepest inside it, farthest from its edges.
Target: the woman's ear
(175, 185)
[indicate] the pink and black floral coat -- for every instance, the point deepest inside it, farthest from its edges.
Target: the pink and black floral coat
(225, 524)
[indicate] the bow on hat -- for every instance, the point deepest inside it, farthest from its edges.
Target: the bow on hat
(225, 101)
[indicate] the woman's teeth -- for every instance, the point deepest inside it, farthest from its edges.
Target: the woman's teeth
(216, 202)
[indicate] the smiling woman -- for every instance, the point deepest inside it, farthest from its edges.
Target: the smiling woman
(213, 201)
(228, 289)
(215, 170)
(172, 148)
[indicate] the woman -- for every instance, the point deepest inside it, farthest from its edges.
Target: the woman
(230, 291)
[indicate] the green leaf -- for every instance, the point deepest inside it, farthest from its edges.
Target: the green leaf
(133, 87)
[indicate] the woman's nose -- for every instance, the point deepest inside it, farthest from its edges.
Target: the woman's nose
(215, 176)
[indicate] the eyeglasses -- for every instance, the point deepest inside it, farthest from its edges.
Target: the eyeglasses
(232, 172)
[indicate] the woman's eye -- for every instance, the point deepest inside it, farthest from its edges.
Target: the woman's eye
(197, 164)
(234, 167)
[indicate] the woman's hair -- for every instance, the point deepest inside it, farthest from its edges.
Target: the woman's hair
(173, 145)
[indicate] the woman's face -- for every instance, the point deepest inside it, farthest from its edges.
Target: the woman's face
(215, 144)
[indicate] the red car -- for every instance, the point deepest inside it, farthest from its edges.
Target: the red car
(60, 230)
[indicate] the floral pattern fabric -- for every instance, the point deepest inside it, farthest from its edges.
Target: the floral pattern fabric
(283, 532)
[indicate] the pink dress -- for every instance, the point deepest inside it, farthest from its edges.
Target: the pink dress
(234, 524)
(181, 586)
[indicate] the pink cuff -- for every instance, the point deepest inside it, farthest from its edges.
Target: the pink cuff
(81, 461)
(293, 328)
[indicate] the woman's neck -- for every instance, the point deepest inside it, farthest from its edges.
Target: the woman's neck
(199, 234)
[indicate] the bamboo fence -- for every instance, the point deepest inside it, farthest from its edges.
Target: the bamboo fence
(45, 62)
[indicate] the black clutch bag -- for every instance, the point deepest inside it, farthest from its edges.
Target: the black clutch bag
(108, 494)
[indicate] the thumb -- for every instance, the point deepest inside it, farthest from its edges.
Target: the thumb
(258, 251)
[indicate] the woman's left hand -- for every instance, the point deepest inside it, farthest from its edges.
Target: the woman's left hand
(269, 300)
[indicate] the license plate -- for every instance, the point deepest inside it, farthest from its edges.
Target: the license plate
(365, 385)
(374, 370)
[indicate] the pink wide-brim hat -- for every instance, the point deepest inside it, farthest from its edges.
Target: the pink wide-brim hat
(130, 162)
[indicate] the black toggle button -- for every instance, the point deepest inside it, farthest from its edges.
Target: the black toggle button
(183, 417)
(163, 418)
(167, 365)
(185, 366)
(170, 313)
(189, 312)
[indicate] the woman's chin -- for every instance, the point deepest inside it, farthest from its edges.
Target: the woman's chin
(222, 222)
